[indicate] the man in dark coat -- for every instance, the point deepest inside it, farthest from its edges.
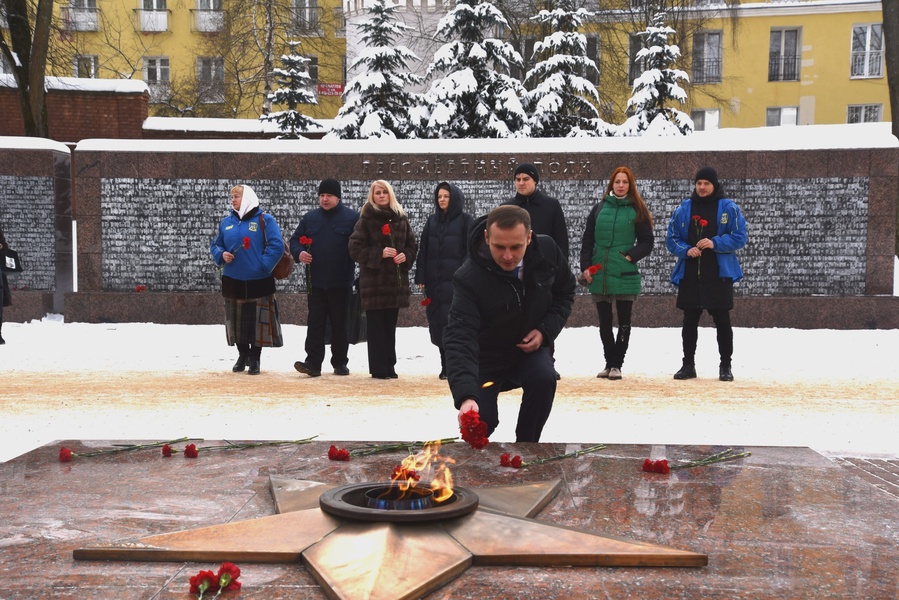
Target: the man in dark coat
(321, 244)
(511, 299)
(546, 213)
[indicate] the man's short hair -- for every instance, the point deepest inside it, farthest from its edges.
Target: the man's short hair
(508, 216)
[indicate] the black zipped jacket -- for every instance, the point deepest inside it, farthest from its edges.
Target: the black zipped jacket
(492, 310)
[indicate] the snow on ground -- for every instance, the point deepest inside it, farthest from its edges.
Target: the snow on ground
(763, 355)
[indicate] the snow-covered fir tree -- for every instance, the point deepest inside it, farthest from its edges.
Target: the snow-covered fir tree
(657, 86)
(475, 97)
(562, 102)
(376, 101)
(294, 80)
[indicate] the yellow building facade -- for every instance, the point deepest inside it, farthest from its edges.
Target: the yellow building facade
(205, 58)
(770, 63)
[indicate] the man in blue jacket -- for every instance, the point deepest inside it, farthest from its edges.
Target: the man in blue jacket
(511, 299)
(321, 244)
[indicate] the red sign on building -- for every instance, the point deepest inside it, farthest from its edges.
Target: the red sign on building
(330, 89)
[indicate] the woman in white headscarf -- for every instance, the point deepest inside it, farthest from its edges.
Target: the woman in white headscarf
(249, 245)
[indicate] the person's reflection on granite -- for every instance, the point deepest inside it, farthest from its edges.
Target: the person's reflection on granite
(683, 503)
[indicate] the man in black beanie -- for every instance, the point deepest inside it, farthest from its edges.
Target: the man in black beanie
(321, 243)
(546, 213)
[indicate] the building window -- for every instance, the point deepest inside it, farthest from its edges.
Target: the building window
(592, 75)
(339, 22)
(208, 16)
(784, 55)
(80, 15)
(86, 66)
(636, 66)
(707, 57)
(156, 74)
(306, 15)
(210, 80)
(153, 16)
(312, 69)
(525, 47)
(867, 50)
(705, 120)
(864, 113)
(782, 115)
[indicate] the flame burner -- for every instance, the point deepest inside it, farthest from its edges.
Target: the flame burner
(392, 497)
(385, 502)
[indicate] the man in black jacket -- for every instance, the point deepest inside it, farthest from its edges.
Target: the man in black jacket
(321, 244)
(511, 298)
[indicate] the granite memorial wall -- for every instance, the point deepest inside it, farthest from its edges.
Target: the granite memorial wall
(821, 221)
(36, 217)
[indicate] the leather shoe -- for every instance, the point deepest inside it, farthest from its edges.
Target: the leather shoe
(341, 371)
(304, 368)
(241, 364)
(686, 372)
(442, 374)
(254, 365)
(604, 374)
(725, 374)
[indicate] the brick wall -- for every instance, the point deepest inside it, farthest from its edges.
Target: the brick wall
(78, 115)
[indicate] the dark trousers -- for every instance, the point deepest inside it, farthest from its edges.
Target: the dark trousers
(724, 330)
(327, 305)
(614, 348)
(536, 377)
(249, 350)
(381, 325)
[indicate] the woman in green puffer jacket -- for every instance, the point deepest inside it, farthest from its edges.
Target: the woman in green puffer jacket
(618, 233)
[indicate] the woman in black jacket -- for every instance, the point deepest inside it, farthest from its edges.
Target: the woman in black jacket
(443, 249)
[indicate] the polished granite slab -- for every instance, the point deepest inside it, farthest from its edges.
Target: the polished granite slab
(782, 523)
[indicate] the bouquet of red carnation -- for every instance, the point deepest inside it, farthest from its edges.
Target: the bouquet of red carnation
(306, 241)
(473, 429)
(656, 466)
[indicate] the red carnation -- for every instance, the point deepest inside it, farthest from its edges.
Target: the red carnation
(516, 462)
(505, 460)
(426, 301)
(696, 217)
(204, 581)
(227, 576)
(401, 473)
(306, 240)
(166, 450)
(594, 269)
(474, 431)
(335, 453)
(703, 222)
(65, 455)
(246, 243)
(386, 229)
(656, 466)
(190, 451)
(140, 288)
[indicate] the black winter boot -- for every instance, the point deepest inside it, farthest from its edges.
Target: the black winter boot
(687, 371)
(253, 362)
(241, 364)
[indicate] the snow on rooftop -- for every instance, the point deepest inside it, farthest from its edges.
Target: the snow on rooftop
(806, 137)
(84, 84)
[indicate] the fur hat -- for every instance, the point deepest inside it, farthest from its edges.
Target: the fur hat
(709, 174)
(329, 186)
(528, 169)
